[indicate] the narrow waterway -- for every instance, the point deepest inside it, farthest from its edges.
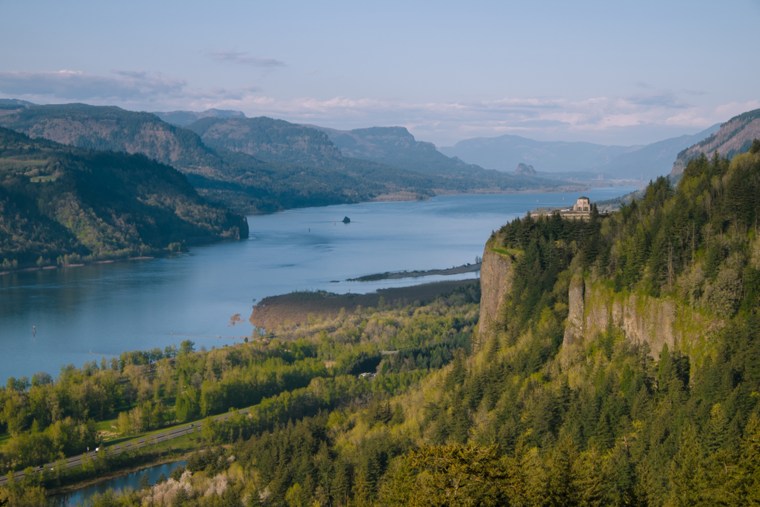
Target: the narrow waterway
(49, 319)
(131, 481)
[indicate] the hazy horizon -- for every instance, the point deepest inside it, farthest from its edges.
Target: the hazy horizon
(591, 71)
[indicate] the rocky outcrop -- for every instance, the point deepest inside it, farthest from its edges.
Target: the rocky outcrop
(594, 308)
(525, 169)
(496, 273)
(575, 301)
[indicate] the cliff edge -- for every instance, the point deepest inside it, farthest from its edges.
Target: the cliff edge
(496, 274)
(593, 309)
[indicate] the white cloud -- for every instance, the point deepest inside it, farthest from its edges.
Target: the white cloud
(646, 117)
(733, 108)
(77, 85)
(623, 120)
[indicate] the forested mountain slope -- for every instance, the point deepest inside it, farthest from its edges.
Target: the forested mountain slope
(115, 129)
(613, 415)
(388, 155)
(734, 136)
(243, 183)
(537, 418)
(252, 164)
(61, 205)
(235, 178)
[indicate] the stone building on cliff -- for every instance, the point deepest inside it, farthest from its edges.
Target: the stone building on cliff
(581, 210)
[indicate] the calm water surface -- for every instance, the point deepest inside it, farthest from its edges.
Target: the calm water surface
(49, 319)
(127, 482)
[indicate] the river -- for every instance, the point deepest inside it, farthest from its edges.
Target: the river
(52, 318)
(127, 482)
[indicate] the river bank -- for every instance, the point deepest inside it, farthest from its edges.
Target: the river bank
(131, 478)
(399, 275)
(98, 311)
(296, 308)
(80, 264)
(73, 487)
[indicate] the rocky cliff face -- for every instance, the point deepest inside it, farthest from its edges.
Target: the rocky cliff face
(496, 273)
(594, 308)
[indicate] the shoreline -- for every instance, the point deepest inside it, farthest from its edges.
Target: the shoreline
(409, 196)
(296, 308)
(51, 267)
(400, 275)
(76, 486)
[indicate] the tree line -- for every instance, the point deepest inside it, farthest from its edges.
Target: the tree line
(522, 422)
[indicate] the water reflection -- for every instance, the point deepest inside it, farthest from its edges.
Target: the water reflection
(131, 481)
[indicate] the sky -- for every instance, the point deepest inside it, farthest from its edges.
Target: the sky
(613, 72)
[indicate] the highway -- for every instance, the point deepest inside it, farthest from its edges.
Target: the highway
(115, 449)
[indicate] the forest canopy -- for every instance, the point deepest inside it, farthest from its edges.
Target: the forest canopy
(391, 406)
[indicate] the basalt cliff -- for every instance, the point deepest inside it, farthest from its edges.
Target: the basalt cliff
(593, 308)
(671, 269)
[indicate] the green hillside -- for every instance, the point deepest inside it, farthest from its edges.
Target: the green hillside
(374, 162)
(733, 137)
(236, 179)
(63, 205)
(538, 416)
(115, 129)
(615, 362)
(397, 147)
(255, 165)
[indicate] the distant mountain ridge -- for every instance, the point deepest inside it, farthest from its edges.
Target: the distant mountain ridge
(733, 137)
(625, 162)
(652, 160)
(60, 204)
(185, 118)
(505, 152)
(397, 147)
(264, 164)
(14, 104)
(271, 140)
(237, 179)
(115, 129)
(383, 154)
